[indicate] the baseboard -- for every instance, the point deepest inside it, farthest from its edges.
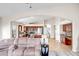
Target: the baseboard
(75, 50)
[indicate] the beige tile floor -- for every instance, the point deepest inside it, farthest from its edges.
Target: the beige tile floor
(54, 45)
(61, 48)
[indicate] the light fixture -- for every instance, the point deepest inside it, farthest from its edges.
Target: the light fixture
(28, 5)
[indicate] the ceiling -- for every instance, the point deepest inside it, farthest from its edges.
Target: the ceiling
(34, 19)
(10, 9)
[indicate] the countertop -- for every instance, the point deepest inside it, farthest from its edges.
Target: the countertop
(68, 37)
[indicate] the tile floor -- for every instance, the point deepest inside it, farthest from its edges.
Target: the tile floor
(59, 49)
(55, 49)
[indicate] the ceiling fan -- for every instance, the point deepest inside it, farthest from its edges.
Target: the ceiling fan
(28, 5)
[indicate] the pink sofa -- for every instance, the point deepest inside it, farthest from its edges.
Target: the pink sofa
(26, 47)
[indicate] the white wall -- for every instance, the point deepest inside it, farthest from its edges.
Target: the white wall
(57, 29)
(0, 28)
(75, 41)
(66, 11)
(66, 21)
(5, 29)
(52, 23)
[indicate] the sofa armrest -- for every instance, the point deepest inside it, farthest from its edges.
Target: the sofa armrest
(10, 50)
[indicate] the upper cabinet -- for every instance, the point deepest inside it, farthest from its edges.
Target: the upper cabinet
(67, 27)
(24, 30)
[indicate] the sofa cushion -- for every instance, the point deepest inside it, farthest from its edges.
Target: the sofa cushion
(22, 40)
(19, 51)
(30, 51)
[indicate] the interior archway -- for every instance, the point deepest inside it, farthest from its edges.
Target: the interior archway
(48, 21)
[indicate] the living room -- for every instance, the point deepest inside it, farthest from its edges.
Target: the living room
(48, 15)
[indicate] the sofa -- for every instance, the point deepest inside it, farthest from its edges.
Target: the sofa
(25, 47)
(4, 45)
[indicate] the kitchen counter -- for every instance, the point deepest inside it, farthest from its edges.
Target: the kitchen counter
(68, 37)
(68, 40)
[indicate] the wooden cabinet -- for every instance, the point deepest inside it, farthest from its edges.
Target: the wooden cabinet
(30, 30)
(20, 28)
(67, 27)
(68, 41)
(64, 27)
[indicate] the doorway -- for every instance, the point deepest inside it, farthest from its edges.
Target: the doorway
(66, 34)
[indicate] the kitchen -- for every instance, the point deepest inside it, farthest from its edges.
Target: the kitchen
(66, 33)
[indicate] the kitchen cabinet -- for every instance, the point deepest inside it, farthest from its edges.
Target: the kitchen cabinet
(24, 31)
(67, 28)
(68, 41)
